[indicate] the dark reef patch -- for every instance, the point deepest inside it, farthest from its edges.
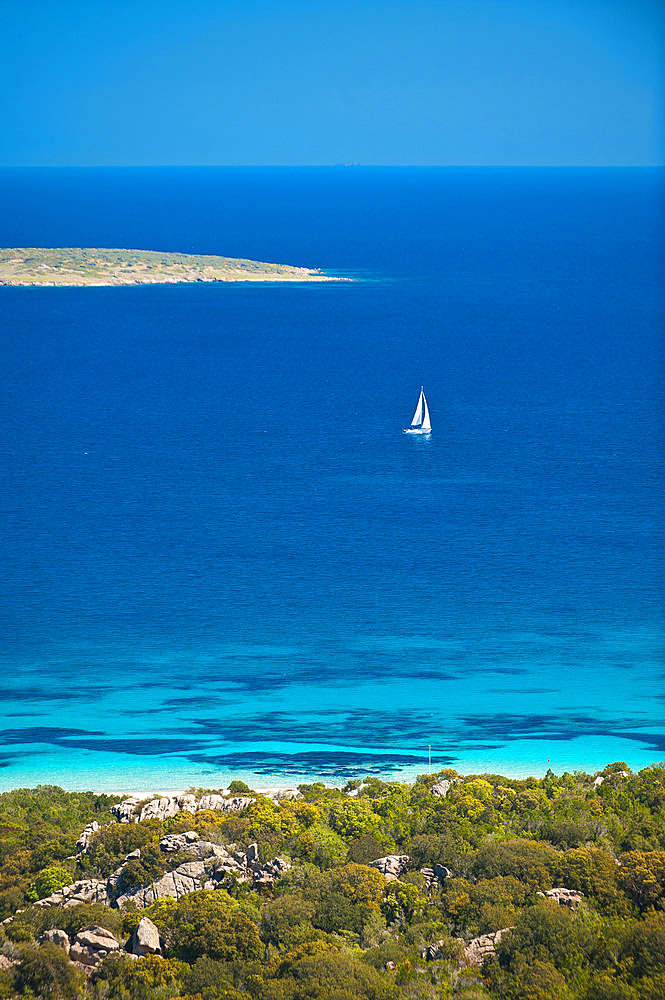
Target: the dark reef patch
(332, 764)
(25, 695)
(326, 726)
(53, 735)
(148, 746)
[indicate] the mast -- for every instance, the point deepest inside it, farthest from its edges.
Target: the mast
(426, 421)
(418, 415)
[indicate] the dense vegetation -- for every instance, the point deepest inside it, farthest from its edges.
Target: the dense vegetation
(332, 928)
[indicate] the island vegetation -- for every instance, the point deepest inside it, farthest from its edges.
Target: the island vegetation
(78, 266)
(469, 887)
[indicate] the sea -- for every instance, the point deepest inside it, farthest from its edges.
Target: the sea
(222, 558)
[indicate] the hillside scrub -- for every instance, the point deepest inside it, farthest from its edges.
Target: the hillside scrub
(333, 927)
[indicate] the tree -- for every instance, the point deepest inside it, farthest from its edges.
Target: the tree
(595, 873)
(329, 975)
(209, 980)
(644, 947)
(531, 862)
(642, 874)
(139, 980)
(431, 849)
(548, 933)
(286, 920)
(47, 973)
(359, 883)
(403, 901)
(211, 923)
(353, 818)
(239, 788)
(366, 848)
(605, 986)
(537, 980)
(47, 882)
(320, 846)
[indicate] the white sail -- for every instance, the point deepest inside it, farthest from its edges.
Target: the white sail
(421, 422)
(426, 425)
(418, 415)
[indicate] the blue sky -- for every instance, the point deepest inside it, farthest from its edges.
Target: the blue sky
(138, 82)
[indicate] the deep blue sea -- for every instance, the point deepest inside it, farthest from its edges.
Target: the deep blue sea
(220, 555)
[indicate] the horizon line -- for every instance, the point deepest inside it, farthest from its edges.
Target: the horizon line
(339, 166)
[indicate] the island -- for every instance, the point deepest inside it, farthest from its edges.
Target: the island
(89, 266)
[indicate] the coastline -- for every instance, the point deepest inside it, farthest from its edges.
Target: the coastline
(264, 278)
(52, 267)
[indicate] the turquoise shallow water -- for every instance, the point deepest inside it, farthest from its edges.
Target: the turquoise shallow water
(222, 558)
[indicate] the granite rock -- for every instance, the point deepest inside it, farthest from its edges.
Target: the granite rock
(163, 808)
(190, 843)
(208, 872)
(434, 876)
(125, 811)
(480, 949)
(115, 878)
(175, 842)
(92, 944)
(441, 788)
(214, 802)
(146, 938)
(564, 897)
(56, 936)
(133, 810)
(435, 951)
(86, 836)
(392, 866)
(83, 891)
(286, 795)
(181, 881)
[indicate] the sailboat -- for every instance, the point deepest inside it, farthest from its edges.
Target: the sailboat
(421, 422)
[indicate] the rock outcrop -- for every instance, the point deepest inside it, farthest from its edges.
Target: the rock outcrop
(183, 880)
(480, 949)
(163, 808)
(175, 842)
(134, 810)
(564, 897)
(264, 876)
(115, 878)
(145, 940)
(436, 951)
(214, 801)
(92, 944)
(441, 788)
(56, 936)
(285, 795)
(86, 836)
(434, 876)
(392, 866)
(191, 843)
(83, 891)
(214, 865)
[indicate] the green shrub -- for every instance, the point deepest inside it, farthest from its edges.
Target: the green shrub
(47, 882)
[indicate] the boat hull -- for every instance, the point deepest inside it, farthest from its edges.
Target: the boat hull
(416, 430)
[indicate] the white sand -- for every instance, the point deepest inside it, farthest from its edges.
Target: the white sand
(172, 792)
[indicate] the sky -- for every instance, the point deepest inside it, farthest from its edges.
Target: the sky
(307, 82)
